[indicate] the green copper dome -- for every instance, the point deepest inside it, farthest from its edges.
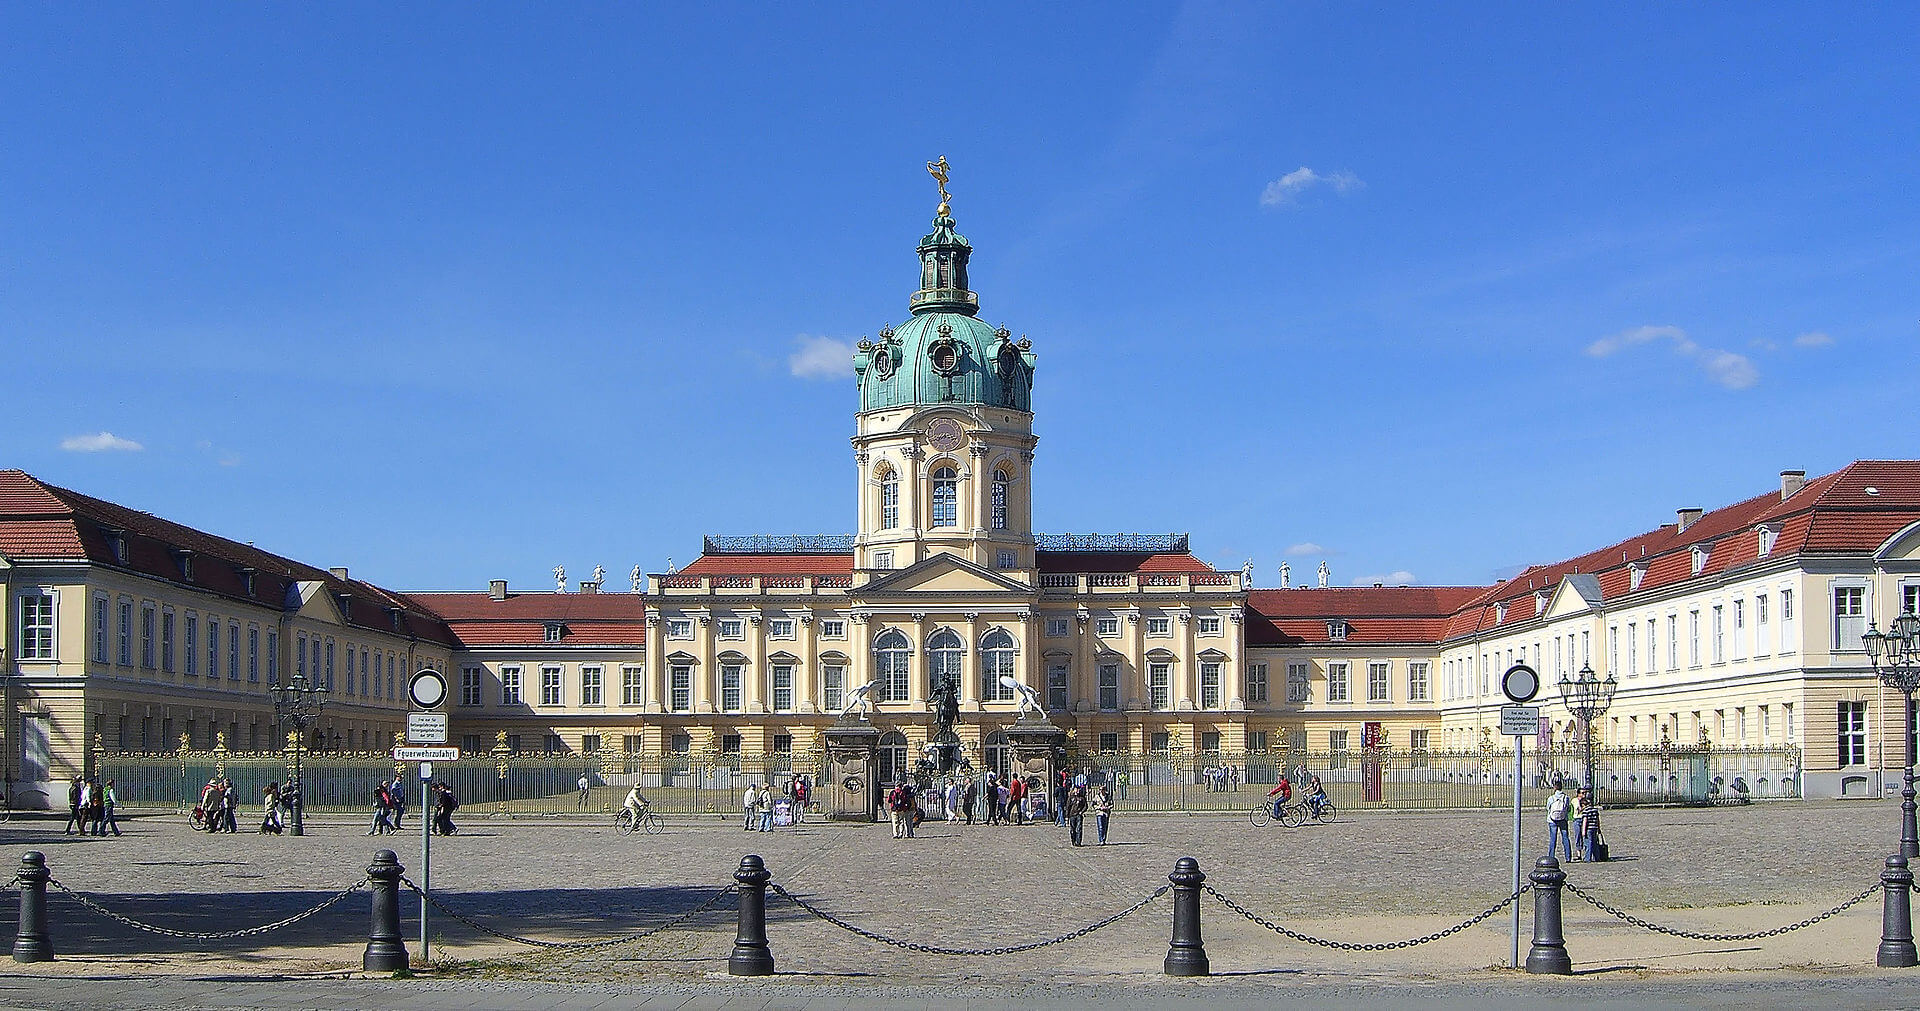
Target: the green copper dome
(944, 354)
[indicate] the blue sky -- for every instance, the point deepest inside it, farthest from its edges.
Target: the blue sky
(445, 293)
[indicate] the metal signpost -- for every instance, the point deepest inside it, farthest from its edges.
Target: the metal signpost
(1520, 684)
(427, 689)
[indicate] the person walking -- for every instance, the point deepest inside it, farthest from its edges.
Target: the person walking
(83, 806)
(109, 800)
(764, 807)
(445, 803)
(1016, 800)
(1076, 811)
(97, 807)
(1558, 807)
(270, 799)
(586, 788)
(968, 798)
(229, 804)
(397, 801)
(954, 796)
(1578, 814)
(74, 820)
(381, 804)
(1103, 812)
(749, 801)
(897, 809)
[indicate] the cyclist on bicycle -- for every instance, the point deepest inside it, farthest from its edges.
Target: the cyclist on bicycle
(636, 802)
(1281, 793)
(1316, 794)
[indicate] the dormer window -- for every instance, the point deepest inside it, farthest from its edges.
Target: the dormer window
(1636, 574)
(1769, 533)
(1700, 553)
(1539, 602)
(554, 631)
(116, 544)
(393, 617)
(1500, 614)
(345, 600)
(1337, 630)
(184, 559)
(246, 574)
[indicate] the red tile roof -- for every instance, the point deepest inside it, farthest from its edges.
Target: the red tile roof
(770, 565)
(43, 522)
(590, 619)
(1117, 561)
(1373, 614)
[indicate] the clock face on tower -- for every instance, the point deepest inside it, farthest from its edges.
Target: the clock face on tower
(945, 435)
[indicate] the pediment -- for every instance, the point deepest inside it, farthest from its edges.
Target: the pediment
(1576, 594)
(945, 575)
(1902, 546)
(317, 603)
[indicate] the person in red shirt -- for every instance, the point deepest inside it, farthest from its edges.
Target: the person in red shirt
(1017, 800)
(1281, 793)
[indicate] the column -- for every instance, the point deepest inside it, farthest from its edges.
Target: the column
(970, 668)
(753, 695)
(704, 672)
(654, 664)
(1189, 662)
(806, 678)
(918, 662)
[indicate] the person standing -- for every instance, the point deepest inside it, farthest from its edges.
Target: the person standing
(397, 800)
(1558, 807)
(897, 809)
(1016, 800)
(1103, 812)
(381, 803)
(1076, 811)
(968, 798)
(1122, 780)
(764, 807)
(586, 787)
(229, 803)
(97, 807)
(109, 801)
(747, 803)
(1578, 814)
(270, 799)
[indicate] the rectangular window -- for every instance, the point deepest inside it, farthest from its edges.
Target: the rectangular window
(632, 686)
(509, 686)
(1108, 627)
(1419, 682)
(680, 687)
(679, 628)
(1719, 636)
(36, 625)
(780, 628)
(1788, 643)
(273, 656)
(1210, 626)
(883, 559)
(1377, 679)
(1256, 683)
(233, 651)
(190, 645)
(833, 686)
(1160, 686)
(1299, 688)
(1109, 687)
(1338, 688)
(1613, 648)
(591, 689)
(1693, 638)
(1739, 630)
(550, 686)
(349, 681)
(253, 655)
(833, 628)
(213, 647)
(469, 686)
(1209, 685)
(149, 638)
(783, 688)
(1256, 741)
(1160, 741)
(1056, 627)
(390, 678)
(1853, 733)
(100, 631)
(1057, 687)
(1210, 740)
(1337, 744)
(732, 628)
(125, 636)
(1109, 743)
(166, 641)
(1762, 631)
(731, 675)
(1910, 599)
(1849, 617)
(1159, 627)
(326, 676)
(1006, 558)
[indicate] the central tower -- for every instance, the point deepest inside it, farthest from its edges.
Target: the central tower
(944, 436)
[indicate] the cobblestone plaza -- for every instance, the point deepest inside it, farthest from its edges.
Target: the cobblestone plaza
(1370, 878)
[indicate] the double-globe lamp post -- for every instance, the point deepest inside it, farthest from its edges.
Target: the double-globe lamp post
(1895, 654)
(1588, 697)
(297, 704)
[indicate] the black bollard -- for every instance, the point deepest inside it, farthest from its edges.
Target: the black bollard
(1549, 951)
(31, 943)
(386, 952)
(1187, 955)
(1896, 916)
(751, 955)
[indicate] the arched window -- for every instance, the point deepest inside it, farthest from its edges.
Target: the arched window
(946, 498)
(945, 654)
(996, 661)
(1000, 480)
(890, 653)
(889, 499)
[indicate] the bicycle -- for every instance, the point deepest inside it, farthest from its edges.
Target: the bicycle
(1291, 815)
(626, 822)
(198, 818)
(1325, 813)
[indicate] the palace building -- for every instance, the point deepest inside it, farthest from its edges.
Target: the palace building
(1739, 627)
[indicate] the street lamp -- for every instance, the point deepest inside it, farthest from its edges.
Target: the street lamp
(1587, 698)
(1899, 647)
(297, 704)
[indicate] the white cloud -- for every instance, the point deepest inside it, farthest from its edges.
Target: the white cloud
(1728, 369)
(1398, 577)
(1306, 548)
(1813, 339)
(99, 442)
(1283, 191)
(821, 358)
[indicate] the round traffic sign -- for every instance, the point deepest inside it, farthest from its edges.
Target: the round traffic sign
(427, 689)
(1520, 683)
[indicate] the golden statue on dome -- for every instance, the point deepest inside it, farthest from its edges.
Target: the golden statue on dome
(938, 170)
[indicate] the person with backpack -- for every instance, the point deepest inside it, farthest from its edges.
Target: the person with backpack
(900, 810)
(1559, 806)
(445, 804)
(229, 803)
(74, 817)
(397, 801)
(382, 806)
